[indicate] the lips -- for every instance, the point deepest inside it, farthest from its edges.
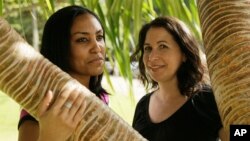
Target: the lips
(155, 67)
(98, 59)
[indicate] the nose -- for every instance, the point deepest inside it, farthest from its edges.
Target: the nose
(96, 47)
(153, 55)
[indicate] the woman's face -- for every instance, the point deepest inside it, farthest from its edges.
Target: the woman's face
(162, 55)
(87, 48)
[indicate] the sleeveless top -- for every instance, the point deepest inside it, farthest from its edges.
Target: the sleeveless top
(197, 120)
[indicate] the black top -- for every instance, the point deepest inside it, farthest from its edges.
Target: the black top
(197, 120)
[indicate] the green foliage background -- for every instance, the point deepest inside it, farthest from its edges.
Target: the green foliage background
(122, 20)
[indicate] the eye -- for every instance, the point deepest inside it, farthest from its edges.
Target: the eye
(82, 40)
(100, 38)
(162, 46)
(147, 48)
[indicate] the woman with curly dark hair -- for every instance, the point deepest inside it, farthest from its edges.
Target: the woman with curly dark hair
(181, 105)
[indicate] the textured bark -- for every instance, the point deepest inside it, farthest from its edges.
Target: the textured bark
(25, 76)
(226, 33)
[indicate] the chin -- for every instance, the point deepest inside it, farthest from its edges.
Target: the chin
(96, 72)
(156, 78)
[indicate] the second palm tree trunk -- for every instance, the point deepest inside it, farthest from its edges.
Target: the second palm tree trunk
(226, 33)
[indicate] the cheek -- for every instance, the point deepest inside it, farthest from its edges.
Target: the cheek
(102, 44)
(144, 58)
(103, 51)
(176, 62)
(145, 61)
(78, 58)
(78, 55)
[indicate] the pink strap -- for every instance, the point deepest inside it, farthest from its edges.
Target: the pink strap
(23, 113)
(105, 98)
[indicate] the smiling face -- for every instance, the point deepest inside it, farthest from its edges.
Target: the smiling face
(87, 46)
(162, 56)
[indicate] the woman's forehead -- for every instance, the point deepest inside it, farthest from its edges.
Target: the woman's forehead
(86, 23)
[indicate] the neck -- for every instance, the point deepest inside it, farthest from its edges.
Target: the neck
(169, 90)
(83, 79)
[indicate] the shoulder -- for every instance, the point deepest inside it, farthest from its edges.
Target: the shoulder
(142, 105)
(104, 96)
(205, 95)
(141, 111)
(25, 116)
(205, 105)
(144, 100)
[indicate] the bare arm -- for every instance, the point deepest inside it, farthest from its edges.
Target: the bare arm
(28, 131)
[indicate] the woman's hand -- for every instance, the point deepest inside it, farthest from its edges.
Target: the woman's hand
(59, 120)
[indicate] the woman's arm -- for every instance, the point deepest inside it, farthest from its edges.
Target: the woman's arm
(28, 131)
(59, 120)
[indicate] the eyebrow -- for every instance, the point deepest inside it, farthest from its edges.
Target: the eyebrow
(85, 33)
(161, 41)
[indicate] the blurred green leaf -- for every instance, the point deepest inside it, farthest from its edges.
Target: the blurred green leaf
(1, 7)
(50, 5)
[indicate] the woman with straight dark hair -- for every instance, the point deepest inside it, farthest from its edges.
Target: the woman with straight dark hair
(74, 40)
(181, 105)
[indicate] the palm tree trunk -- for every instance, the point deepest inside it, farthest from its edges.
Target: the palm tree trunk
(226, 33)
(25, 76)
